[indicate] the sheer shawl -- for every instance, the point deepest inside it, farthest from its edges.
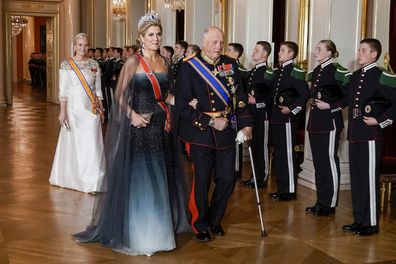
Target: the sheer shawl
(111, 202)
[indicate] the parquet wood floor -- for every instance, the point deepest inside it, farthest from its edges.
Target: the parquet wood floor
(36, 219)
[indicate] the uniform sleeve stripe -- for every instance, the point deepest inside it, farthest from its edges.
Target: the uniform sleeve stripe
(296, 110)
(389, 75)
(299, 70)
(386, 123)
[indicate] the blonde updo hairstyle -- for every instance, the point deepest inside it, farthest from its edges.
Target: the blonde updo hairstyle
(330, 46)
(143, 29)
(77, 37)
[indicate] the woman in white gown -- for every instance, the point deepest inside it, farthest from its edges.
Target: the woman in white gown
(78, 157)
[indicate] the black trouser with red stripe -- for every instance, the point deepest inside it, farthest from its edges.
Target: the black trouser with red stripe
(284, 138)
(324, 148)
(364, 158)
(205, 160)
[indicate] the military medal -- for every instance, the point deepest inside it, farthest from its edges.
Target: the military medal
(215, 71)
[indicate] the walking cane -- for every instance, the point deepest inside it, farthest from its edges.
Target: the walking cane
(263, 233)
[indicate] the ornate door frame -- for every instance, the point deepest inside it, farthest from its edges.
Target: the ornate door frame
(50, 10)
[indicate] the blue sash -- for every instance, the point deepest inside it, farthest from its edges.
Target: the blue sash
(217, 87)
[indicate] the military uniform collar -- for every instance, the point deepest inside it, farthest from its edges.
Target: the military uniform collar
(286, 63)
(180, 58)
(328, 62)
(369, 66)
(261, 64)
(207, 59)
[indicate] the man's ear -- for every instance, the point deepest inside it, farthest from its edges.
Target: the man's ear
(374, 54)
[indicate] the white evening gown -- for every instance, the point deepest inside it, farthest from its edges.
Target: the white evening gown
(78, 160)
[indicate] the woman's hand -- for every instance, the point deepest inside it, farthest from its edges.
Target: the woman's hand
(63, 118)
(170, 99)
(102, 113)
(321, 105)
(138, 120)
(193, 103)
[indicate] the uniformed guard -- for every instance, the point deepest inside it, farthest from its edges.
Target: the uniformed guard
(235, 51)
(180, 50)
(259, 89)
(106, 80)
(117, 66)
(365, 135)
(167, 52)
(99, 58)
(211, 129)
(285, 120)
(325, 124)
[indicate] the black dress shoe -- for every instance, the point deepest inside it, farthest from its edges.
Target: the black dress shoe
(203, 236)
(313, 209)
(259, 185)
(352, 227)
(287, 196)
(367, 230)
(248, 182)
(325, 211)
(217, 230)
(274, 195)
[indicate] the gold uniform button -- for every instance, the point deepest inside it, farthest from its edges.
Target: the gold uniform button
(213, 101)
(213, 109)
(211, 93)
(196, 122)
(199, 124)
(241, 104)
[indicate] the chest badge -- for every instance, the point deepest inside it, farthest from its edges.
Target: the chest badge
(225, 70)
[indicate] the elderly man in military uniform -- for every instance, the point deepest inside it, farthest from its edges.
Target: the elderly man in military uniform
(365, 134)
(288, 85)
(260, 100)
(211, 129)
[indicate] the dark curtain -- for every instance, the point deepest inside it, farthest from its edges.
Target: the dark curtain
(278, 28)
(389, 151)
(179, 25)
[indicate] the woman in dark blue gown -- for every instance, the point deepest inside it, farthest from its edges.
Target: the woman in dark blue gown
(143, 199)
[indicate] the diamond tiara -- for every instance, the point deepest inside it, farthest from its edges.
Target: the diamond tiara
(149, 17)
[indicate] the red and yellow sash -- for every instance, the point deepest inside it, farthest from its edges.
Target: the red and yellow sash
(96, 109)
(156, 89)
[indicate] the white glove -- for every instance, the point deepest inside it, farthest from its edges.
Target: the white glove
(241, 137)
